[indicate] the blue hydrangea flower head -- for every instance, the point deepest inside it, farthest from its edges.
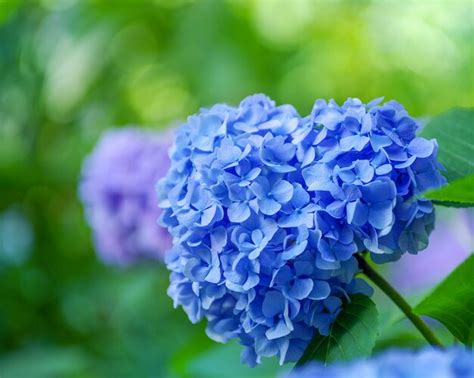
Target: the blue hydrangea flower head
(118, 190)
(452, 363)
(248, 233)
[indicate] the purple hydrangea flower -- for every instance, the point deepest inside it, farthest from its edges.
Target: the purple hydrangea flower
(246, 252)
(452, 363)
(118, 189)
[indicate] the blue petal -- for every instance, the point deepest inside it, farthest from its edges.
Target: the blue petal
(333, 304)
(188, 217)
(269, 206)
(406, 163)
(364, 170)
(214, 275)
(374, 102)
(367, 124)
(379, 141)
(257, 236)
(238, 212)
(420, 147)
(308, 157)
(301, 289)
(292, 220)
(283, 275)
(357, 213)
(285, 152)
(218, 239)
(326, 251)
(281, 329)
(316, 174)
(253, 174)
(274, 303)
(260, 187)
(354, 142)
(296, 250)
(381, 215)
(336, 209)
(300, 197)
(330, 118)
(347, 175)
(344, 252)
(321, 290)
(379, 191)
(282, 191)
(383, 169)
(208, 215)
(407, 128)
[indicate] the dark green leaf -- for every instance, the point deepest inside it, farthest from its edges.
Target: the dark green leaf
(452, 301)
(351, 336)
(459, 193)
(455, 134)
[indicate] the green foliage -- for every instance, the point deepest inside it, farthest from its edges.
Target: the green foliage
(224, 361)
(452, 302)
(351, 336)
(459, 193)
(44, 361)
(455, 134)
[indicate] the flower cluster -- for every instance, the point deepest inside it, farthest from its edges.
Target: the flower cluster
(118, 191)
(429, 362)
(366, 169)
(267, 209)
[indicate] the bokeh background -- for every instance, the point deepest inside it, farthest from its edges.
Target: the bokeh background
(71, 69)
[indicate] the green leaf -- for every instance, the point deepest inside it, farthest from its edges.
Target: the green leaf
(455, 134)
(459, 193)
(452, 301)
(406, 339)
(351, 336)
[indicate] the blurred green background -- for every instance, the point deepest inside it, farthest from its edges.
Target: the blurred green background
(70, 69)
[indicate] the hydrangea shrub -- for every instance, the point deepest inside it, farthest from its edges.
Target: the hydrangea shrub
(117, 189)
(267, 209)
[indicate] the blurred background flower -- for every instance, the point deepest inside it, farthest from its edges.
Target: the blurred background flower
(71, 69)
(118, 191)
(451, 243)
(456, 362)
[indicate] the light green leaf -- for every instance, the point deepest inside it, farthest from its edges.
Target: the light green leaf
(452, 301)
(455, 134)
(351, 336)
(459, 193)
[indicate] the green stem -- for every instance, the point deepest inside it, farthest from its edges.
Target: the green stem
(390, 291)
